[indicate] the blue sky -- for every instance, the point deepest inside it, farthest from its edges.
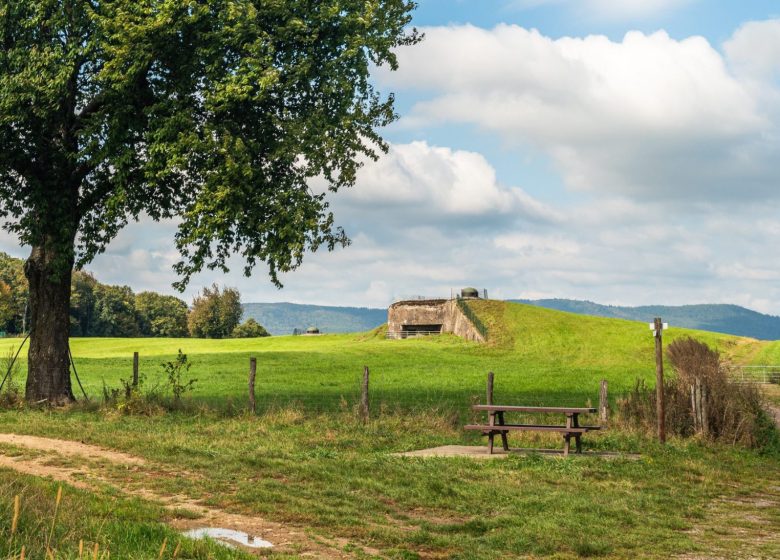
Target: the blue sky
(622, 152)
(714, 19)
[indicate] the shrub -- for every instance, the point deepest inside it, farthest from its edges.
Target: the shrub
(732, 412)
(249, 329)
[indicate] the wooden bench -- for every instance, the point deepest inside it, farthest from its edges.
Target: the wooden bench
(497, 426)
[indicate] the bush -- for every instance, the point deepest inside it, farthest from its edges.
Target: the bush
(249, 329)
(733, 411)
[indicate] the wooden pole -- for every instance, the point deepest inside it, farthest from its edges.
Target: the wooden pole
(490, 388)
(135, 369)
(659, 380)
(603, 403)
(705, 421)
(252, 374)
(364, 410)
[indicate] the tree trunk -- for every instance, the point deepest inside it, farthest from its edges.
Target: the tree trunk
(48, 365)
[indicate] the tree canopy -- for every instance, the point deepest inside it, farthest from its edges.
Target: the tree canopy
(218, 112)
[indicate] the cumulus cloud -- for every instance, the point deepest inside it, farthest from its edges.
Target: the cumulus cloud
(649, 116)
(754, 49)
(420, 183)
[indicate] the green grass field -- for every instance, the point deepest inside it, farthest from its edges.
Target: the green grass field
(307, 459)
(537, 355)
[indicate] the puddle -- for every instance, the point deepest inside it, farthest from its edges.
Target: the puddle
(228, 537)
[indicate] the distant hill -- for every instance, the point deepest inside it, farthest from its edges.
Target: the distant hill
(283, 318)
(722, 318)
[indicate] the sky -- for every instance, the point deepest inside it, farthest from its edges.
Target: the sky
(625, 152)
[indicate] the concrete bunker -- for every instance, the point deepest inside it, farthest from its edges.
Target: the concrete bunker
(425, 317)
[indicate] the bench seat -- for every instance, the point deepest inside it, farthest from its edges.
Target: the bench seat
(530, 427)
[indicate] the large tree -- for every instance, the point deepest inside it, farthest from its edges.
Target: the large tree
(216, 111)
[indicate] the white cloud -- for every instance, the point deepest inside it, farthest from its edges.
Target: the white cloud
(649, 117)
(754, 49)
(440, 184)
(532, 244)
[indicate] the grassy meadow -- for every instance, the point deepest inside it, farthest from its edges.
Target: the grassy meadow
(537, 355)
(307, 460)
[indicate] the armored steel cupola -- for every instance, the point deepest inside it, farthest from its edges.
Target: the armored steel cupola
(469, 293)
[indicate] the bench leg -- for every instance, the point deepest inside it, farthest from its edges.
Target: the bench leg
(578, 442)
(491, 435)
(566, 444)
(504, 440)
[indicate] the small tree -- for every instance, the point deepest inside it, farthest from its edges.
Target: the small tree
(215, 313)
(175, 371)
(249, 329)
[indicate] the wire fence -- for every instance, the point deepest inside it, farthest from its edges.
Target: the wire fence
(762, 374)
(388, 392)
(325, 383)
(471, 316)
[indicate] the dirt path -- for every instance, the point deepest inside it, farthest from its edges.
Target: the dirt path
(50, 452)
(70, 448)
(739, 528)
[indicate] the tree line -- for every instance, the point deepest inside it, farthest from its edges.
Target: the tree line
(98, 309)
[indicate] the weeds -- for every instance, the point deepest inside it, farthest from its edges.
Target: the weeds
(133, 398)
(728, 412)
(11, 396)
(175, 371)
(31, 536)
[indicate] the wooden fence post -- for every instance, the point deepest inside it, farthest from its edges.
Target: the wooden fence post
(660, 409)
(603, 402)
(705, 421)
(364, 410)
(699, 401)
(135, 369)
(490, 378)
(252, 374)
